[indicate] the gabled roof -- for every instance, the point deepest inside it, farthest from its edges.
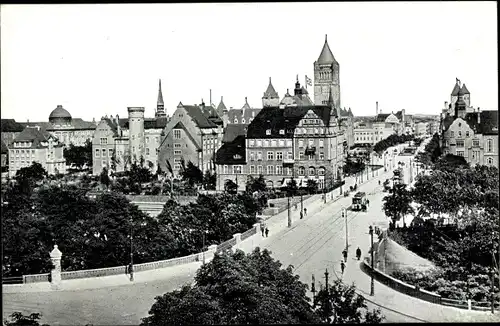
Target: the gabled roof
(35, 136)
(463, 90)
(488, 123)
(246, 106)
(10, 125)
(240, 114)
(270, 91)
(199, 117)
(232, 152)
(399, 114)
(221, 108)
(326, 56)
(44, 126)
(232, 131)
(276, 119)
(381, 117)
(455, 90)
(155, 123)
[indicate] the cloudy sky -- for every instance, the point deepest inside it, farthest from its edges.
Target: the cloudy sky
(99, 59)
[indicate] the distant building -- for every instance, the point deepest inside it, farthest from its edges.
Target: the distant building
(117, 143)
(243, 116)
(469, 132)
(194, 133)
(34, 145)
(5, 153)
(421, 129)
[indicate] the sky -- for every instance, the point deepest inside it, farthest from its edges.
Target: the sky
(97, 60)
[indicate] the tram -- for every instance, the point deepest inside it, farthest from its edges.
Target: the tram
(359, 202)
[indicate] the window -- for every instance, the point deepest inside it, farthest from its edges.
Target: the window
(270, 169)
(251, 142)
(288, 143)
(301, 143)
(282, 131)
(259, 169)
(97, 152)
(301, 155)
(321, 143)
(104, 163)
(266, 143)
(242, 120)
(268, 132)
(289, 155)
(177, 152)
(252, 156)
(259, 156)
(475, 143)
(460, 143)
(321, 171)
(225, 169)
(235, 120)
(270, 156)
(321, 155)
(302, 170)
(460, 153)
(147, 151)
(288, 171)
(312, 171)
(490, 161)
(237, 169)
(460, 134)
(279, 169)
(489, 146)
(311, 142)
(467, 133)
(147, 140)
(279, 156)
(259, 143)
(104, 141)
(273, 143)
(252, 169)
(177, 134)
(177, 145)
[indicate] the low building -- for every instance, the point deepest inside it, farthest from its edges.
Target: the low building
(34, 145)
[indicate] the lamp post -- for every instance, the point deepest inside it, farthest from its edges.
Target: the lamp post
(203, 249)
(131, 268)
(372, 285)
(344, 215)
(313, 290)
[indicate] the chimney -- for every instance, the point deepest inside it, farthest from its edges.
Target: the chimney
(376, 108)
(445, 105)
(478, 115)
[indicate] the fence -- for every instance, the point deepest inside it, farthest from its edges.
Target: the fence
(226, 245)
(36, 278)
(248, 233)
(12, 280)
(98, 272)
(167, 263)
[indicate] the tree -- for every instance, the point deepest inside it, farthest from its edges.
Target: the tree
(191, 173)
(291, 188)
(312, 186)
(398, 203)
(34, 173)
(341, 305)
(230, 187)
(18, 319)
(104, 177)
(79, 156)
(235, 288)
(450, 162)
(210, 180)
(256, 184)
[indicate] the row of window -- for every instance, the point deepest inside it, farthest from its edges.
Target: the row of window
(22, 144)
(275, 170)
(281, 143)
(475, 143)
(257, 156)
(460, 134)
(243, 121)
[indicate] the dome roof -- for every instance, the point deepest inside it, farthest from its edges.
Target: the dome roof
(59, 112)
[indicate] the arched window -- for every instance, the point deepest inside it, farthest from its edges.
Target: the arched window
(490, 161)
(302, 170)
(321, 170)
(312, 170)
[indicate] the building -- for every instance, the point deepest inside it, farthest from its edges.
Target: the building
(35, 145)
(297, 138)
(243, 116)
(5, 154)
(194, 133)
(469, 132)
(433, 127)
(117, 142)
(421, 129)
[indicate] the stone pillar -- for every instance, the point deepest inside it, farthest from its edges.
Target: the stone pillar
(257, 228)
(237, 237)
(209, 254)
(55, 273)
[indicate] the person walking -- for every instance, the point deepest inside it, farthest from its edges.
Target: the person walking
(295, 206)
(344, 253)
(262, 229)
(342, 266)
(305, 211)
(358, 253)
(267, 232)
(301, 215)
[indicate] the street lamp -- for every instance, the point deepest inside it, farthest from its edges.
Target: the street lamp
(203, 249)
(131, 268)
(372, 285)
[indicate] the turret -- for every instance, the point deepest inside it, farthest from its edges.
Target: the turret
(326, 75)
(160, 107)
(136, 132)
(270, 97)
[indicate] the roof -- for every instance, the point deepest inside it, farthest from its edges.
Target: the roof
(240, 114)
(35, 136)
(299, 100)
(5, 149)
(160, 95)
(246, 106)
(381, 117)
(155, 123)
(76, 123)
(221, 108)
(326, 56)
(276, 119)
(232, 131)
(59, 112)
(201, 120)
(488, 123)
(10, 125)
(270, 91)
(44, 126)
(463, 90)
(232, 152)
(455, 90)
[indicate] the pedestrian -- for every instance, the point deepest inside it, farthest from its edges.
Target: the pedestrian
(295, 206)
(367, 202)
(267, 232)
(305, 211)
(342, 266)
(301, 215)
(262, 228)
(379, 182)
(344, 253)
(358, 253)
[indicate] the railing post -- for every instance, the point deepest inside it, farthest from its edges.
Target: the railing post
(55, 273)
(209, 255)
(237, 237)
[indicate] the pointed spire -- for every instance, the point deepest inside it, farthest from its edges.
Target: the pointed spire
(221, 108)
(464, 90)
(456, 89)
(326, 56)
(246, 106)
(160, 95)
(270, 91)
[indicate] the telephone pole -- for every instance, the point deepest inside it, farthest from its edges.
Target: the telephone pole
(372, 284)
(344, 214)
(289, 213)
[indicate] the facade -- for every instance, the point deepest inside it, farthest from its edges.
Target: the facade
(469, 132)
(243, 116)
(34, 145)
(421, 129)
(194, 133)
(117, 142)
(5, 153)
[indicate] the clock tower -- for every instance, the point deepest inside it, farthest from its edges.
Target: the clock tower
(326, 78)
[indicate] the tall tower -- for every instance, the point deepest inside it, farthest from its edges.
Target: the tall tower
(270, 97)
(466, 94)
(454, 93)
(326, 76)
(160, 108)
(136, 133)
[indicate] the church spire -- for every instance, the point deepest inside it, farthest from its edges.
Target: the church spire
(160, 108)
(326, 56)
